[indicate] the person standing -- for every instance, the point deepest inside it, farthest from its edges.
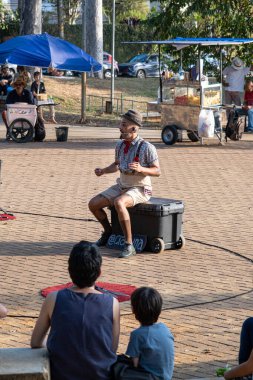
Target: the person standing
(233, 81)
(137, 161)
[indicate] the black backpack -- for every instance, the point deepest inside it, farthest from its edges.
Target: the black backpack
(235, 126)
(40, 131)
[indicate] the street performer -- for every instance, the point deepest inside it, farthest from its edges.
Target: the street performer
(136, 160)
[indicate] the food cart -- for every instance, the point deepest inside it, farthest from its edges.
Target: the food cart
(181, 101)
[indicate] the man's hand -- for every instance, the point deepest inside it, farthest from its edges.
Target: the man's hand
(99, 172)
(135, 166)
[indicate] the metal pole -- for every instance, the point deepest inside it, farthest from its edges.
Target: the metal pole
(199, 58)
(160, 74)
(221, 63)
(84, 78)
(113, 53)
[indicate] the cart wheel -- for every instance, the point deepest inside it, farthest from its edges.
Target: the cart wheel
(181, 242)
(21, 131)
(193, 136)
(169, 134)
(157, 245)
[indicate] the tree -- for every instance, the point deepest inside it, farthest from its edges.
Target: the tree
(130, 12)
(8, 21)
(208, 18)
(30, 17)
(60, 18)
(69, 8)
(94, 30)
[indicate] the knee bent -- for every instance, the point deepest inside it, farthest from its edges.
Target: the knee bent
(118, 203)
(248, 323)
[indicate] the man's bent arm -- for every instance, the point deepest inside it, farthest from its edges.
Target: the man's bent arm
(113, 168)
(153, 170)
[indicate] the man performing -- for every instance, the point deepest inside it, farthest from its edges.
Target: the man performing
(136, 160)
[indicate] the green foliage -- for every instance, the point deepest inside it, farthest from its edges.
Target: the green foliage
(129, 11)
(9, 22)
(207, 18)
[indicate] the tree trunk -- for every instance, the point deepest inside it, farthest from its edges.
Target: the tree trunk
(60, 18)
(30, 16)
(94, 30)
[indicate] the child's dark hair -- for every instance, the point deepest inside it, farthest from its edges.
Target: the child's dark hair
(36, 73)
(84, 264)
(146, 305)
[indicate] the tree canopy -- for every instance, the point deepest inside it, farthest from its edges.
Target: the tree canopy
(207, 18)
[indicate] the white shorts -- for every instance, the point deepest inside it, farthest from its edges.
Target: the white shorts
(138, 194)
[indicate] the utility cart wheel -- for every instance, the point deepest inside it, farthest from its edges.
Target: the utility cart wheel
(21, 131)
(181, 242)
(169, 134)
(193, 136)
(157, 245)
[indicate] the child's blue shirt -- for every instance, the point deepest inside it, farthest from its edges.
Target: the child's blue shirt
(154, 346)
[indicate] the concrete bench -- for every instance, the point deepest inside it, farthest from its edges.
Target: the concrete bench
(24, 364)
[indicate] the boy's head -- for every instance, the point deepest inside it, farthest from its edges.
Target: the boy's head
(36, 75)
(84, 264)
(146, 305)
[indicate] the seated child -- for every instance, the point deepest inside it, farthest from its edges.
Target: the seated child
(245, 368)
(151, 346)
(38, 87)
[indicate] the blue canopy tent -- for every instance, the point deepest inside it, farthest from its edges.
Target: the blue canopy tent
(181, 42)
(44, 50)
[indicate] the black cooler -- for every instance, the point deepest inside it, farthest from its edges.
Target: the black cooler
(160, 220)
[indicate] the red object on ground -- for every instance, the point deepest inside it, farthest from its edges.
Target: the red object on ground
(6, 216)
(120, 291)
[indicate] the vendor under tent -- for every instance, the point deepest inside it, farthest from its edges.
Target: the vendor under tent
(182, 112)
(181, 43)
(44, 50)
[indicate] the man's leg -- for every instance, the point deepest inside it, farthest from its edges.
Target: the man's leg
(96, 206)
(228, 100)
(4, 117)
(246, 340)
(121, 203)
(237, 98)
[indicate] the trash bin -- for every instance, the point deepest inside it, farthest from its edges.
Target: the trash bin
(61, 133)
(108, 107)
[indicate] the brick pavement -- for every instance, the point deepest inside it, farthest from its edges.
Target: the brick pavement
(206, 287)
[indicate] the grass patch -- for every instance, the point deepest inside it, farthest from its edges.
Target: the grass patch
(134, 92)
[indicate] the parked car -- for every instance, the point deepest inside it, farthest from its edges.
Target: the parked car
(107, 69)
(107, 66)
(144, 65)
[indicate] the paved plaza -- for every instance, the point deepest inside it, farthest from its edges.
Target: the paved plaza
(206, 286)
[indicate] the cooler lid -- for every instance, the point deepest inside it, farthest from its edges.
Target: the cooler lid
(161, 206)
